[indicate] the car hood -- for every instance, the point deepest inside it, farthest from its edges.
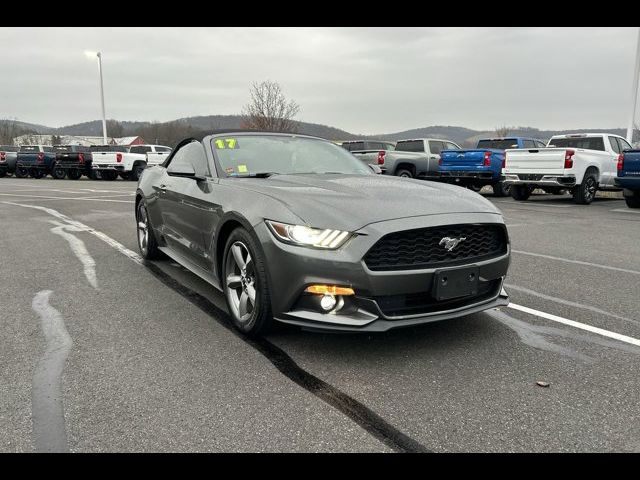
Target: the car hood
(349, 202)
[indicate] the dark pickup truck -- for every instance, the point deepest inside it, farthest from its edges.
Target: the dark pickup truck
(72, 161)
(483, 165)
(629, 177)
(8, 154)
(34, 160)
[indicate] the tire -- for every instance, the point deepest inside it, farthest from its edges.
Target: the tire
(633, 201)
(403, 172)
(147, 243)
(74, 174)
(110, 175)
(21, 172)
(36, 173)
(238, 283)
(584, 193)
(501, 189)
(58, 173)
(521, 192)
(3, 173)
(475, 188)
(136, 172)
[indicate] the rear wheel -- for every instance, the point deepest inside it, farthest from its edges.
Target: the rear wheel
(521, 192)
(146, 239)
(501, 189)
(633, 201)
(403, 172)
(245, 284)
(586, 191)
(21, 172)
(74, 174)
(36, 173)
(58, 173)
(110, 175)
(3, 173)
(136, 172)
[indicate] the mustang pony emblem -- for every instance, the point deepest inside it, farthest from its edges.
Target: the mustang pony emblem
(451, 243)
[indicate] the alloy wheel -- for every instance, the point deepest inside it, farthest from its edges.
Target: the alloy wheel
(241, 285)
(143, 228)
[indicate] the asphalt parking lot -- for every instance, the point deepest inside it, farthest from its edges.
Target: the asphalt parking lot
(101, 352)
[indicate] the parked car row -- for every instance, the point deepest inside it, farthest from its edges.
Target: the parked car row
(105, 162)
(580, 164)
(444, 160)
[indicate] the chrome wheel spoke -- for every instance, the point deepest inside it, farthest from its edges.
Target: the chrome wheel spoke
(237, 255)
(251, 292)
(234, 281)
(244, 300)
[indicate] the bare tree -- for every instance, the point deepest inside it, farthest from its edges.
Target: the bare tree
(115, 128)
(503, 131)
(269, 109)
(10, 129)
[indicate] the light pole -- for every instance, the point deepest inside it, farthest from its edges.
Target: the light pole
(104, 118)
(634, 93)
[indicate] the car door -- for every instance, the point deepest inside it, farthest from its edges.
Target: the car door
(188, 213)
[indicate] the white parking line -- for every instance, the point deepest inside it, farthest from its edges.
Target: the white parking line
(625, 210)
(572, 323)
(578, 262)
(106, 198)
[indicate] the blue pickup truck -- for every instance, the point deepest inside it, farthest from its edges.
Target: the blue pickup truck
(35, 161)
(482, 165)
(629, 177)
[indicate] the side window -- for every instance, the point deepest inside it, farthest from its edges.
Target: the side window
(540, 144)
(528, 144)
(136, 150)
(375, 146)
(614, 144)
(190, 155)
(451, 146)
(436, 147)
(624, 145)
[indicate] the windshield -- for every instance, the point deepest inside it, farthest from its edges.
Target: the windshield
(501, 144)
(252, 154)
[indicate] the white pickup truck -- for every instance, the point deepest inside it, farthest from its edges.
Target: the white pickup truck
(581, 163)
(156, 154)
(109, 161)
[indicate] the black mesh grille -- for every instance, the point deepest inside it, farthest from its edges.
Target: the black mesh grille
(421, 248)
(417, 303)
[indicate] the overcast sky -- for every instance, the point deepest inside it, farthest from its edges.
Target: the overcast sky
(363, 80)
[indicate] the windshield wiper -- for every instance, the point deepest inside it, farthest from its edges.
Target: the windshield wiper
(254, 175)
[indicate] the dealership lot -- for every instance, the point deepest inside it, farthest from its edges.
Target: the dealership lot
(145, 360)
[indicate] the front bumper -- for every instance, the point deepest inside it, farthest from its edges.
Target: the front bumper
(291, 269)
(540, 180)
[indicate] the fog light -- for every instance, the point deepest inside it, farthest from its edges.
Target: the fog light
(328, 302)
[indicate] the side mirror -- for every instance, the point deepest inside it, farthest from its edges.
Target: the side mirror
(375, 168)
(185, 171)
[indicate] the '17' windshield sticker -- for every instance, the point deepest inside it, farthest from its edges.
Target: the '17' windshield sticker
(222, 143)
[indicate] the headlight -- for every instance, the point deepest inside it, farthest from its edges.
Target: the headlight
(307, 236)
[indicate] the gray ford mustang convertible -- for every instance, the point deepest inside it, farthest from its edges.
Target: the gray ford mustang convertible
(296, 229)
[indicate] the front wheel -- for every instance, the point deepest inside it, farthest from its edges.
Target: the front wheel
(136, 172)
(501, 189)
(521, 192)
(245, 284)
(584, 193)
(58, 173)
(110, 175)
